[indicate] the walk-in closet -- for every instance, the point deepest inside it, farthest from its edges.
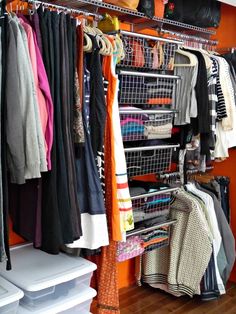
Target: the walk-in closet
(117, 159)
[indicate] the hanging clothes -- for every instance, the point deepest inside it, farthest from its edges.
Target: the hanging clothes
(97, 110)
(29, 157)
(209, 212)
(2, 227)
(89, 191)
(123, 193)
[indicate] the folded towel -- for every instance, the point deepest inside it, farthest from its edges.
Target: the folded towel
(127, 120)
(159, 101)
(157, 132)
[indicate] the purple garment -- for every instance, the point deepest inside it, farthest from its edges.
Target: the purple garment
(36, 27)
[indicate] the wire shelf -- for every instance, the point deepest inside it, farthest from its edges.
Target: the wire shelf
(127, 15)
(146, 90)
(146, 124)
(144, 240)
(151, 205)
(149, 159)
(148, 52)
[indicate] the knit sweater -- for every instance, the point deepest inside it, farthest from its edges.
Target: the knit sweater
(181, 266)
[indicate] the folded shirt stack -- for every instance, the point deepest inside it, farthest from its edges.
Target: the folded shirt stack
(131, 248)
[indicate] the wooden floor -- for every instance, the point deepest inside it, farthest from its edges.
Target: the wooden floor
(145, 300)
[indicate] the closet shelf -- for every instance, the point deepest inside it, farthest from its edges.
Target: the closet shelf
(152, 205)
(155, 91)
(157, 53)
(154, 193)
(135, 17)
(152, 228)
(146, 124)
(149, 159)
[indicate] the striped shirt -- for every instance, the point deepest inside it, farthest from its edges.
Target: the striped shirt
(213, 100)
(220, 104)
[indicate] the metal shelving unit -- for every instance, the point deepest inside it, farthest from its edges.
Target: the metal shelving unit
(135, 17)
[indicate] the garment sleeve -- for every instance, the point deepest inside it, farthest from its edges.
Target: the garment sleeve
(14, 125)
(196, 252)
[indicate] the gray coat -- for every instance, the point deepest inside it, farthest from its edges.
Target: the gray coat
(226, 234)
(26, 152)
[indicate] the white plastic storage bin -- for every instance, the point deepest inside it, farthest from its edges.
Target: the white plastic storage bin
(36, 298)
(47, 278)
(77, 301)
(9, 297)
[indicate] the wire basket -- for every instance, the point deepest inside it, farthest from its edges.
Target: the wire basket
(145, 124)
(155, 236)
(148, 52)
(146, 90)
(151, 205)
(149, 159)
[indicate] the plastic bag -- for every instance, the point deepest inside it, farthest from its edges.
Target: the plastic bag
(202, 13)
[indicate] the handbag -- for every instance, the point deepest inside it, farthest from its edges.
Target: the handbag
(129, 4)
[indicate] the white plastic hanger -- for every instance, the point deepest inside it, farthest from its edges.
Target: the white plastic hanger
(191, 57)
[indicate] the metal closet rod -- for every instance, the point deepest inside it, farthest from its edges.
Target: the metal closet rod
(196, 171)
(145, 74)
(64, 8)
(230, 49)
(152, 228)
(163, 191)
(191, 37)
(178, 42)
(144, 148)
(157, 111)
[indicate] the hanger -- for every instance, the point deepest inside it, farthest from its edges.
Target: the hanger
(192, 59)
(89, 45)
(107, 47)
(120, 45)
(203, 178)
(205, 55)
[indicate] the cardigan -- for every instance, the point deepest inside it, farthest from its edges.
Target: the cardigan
(182, 265)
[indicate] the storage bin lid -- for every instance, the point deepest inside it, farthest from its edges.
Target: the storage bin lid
(74, 297)
(9, 293)
(34, 270)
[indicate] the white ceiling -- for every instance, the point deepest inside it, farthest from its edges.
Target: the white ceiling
(230, 2)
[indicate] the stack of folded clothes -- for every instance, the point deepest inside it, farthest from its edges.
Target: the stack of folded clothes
(132, 125)
(144, 126)
(155, 239)
(132, 129)
(150, 206)
(131, 248)
(158, 132)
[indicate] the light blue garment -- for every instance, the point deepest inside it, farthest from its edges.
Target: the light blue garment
(163, 200)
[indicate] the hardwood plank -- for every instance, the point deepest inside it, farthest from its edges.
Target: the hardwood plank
(146, 300)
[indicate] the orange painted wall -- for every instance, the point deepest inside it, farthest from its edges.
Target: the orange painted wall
(226, 37)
